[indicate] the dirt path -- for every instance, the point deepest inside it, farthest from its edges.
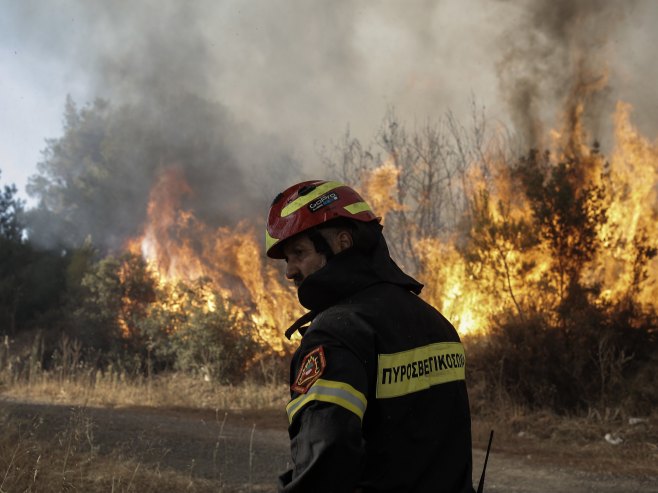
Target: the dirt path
(251, 448)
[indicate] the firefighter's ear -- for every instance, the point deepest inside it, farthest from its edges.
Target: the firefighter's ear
(343, 240)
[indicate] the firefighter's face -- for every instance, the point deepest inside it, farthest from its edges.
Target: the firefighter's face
(301, 258)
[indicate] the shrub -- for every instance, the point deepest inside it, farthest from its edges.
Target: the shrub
(600, 359)
(216, 342)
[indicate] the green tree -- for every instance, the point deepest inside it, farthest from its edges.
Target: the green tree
(84, 185)
(12, 255)
(114, 297)
(95, 319)
(11, 209)
(31, 283)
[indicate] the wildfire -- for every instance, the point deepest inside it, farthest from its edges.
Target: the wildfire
(632, 211)
(501, 268)
(505, 276)
(179, 247)
(379, 188)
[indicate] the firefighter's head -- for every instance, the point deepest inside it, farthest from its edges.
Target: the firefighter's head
(311, 221)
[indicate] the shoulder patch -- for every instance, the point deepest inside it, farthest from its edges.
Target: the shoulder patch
(310, 370)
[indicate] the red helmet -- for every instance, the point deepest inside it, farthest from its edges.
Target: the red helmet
(308, 204)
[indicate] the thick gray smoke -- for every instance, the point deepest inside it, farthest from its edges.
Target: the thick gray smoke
(155, 64)
(560, 53)
(240, 95)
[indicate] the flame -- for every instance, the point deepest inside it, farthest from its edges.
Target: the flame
(502, 270)
(632, 211)
(447, 286)
(380, 187)
(179, 247)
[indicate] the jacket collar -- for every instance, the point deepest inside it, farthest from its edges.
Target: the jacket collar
(346, 274)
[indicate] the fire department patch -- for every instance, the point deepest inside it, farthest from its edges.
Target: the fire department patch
(310, 370)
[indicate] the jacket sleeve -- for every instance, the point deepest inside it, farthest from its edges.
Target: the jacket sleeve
(326, 418)
(327, 451)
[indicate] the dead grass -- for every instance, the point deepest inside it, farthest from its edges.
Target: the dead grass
(70, 461)
(112, 389)
(28, 464)
(575, 442)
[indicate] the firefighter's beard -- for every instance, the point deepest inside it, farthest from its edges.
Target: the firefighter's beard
(299, 277)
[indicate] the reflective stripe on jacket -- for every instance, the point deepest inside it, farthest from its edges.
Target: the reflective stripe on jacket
(389, 413)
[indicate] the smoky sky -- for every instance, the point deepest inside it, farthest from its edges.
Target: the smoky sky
(273, 81)
(560, 51)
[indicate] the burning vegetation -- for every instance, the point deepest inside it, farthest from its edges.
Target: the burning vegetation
(546, 263)
(180, 250)
(550, 229)
(548, 259)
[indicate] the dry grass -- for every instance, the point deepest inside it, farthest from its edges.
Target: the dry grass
(96, 388)
(575, 439)
(574, 442)
(70, 461)
(32, 460)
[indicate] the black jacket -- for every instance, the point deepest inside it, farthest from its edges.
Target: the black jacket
(378, 397)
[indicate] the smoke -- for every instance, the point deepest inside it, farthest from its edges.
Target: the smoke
(239, 96)
(557, 56)
(156, 66)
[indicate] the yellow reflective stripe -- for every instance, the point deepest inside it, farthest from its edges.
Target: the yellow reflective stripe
(419, 369)
(270, 241)
(339, 393)
(309, 197)
(357, 207)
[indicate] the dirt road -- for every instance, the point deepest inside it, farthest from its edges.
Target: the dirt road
(241, 449)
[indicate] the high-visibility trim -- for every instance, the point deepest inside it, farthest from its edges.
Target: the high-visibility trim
(419, 369)
(339, 393)
(300, 202)
(357, 207)
(270, 241)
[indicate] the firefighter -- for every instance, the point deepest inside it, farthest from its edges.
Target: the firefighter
(378, 396)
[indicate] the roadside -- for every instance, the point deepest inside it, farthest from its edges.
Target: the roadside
(245, 450)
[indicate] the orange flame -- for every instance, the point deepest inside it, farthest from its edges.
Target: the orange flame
(179, 247)
(505, 276)
(508, 273)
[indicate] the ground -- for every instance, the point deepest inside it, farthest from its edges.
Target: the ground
(244, 451)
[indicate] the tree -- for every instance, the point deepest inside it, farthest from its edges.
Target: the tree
(493, 239)
(569, 210)
(95, 321)
(84, 185)
(31, 280)
(95, 180)
(417, 180)
(114, 297)
(13, 257)
(191, 328)
(11, 210)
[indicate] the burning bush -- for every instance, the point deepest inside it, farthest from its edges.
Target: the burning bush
(125, 313)
(545, 261)
(549, 259)
(597, 361)
(567, 348)
(200, 333)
